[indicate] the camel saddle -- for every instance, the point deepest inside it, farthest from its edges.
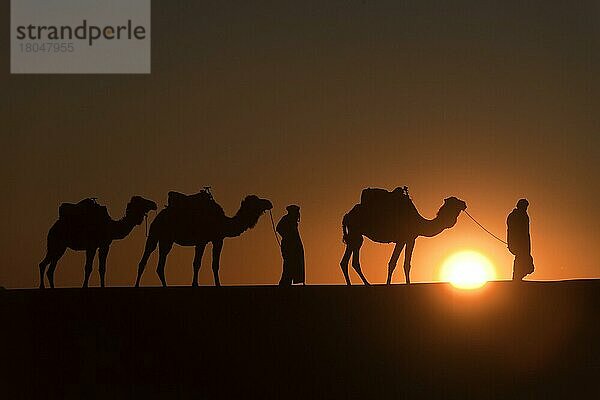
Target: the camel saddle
(200, 201)
(385, 208)
(383, 198)
(87, 210)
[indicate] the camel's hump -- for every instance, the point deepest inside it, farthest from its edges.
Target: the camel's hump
(381, 197)
(87, 211)
(201, 201)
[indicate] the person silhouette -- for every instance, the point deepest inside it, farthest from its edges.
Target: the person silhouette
(519, 241)
(292, 250)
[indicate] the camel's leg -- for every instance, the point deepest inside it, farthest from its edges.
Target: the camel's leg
(56, 255)
(163, 252)
(356, 262)
(50, 273)
(102, 255)
(216, 257)
(344, 264)
(410, 245)
(198, 253)
(151, 243)
(43, 264)
(394, 260)
(90, 254)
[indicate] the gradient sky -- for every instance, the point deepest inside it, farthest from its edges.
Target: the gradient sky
(308, 103)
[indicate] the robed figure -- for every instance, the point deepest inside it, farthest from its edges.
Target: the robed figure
(519, 241)
(292, 250)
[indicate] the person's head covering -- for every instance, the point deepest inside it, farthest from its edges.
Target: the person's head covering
(522, 204)
(292, 208)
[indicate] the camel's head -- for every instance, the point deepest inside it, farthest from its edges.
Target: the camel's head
(455, 204)
(138, 208)
(256, 204)
(450, 210)
(253, 207)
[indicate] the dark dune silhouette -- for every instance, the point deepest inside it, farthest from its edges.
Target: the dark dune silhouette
(86, 226)
(391, 217)
(533, 340)
(196, 220)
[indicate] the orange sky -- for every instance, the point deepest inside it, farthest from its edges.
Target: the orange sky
(309, 104)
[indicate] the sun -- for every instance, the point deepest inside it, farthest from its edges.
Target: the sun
(467, 270)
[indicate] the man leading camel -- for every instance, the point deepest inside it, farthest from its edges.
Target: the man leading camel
(519, 241)
(292, 249)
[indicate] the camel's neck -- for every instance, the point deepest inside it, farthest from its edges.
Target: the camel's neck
(433, 227)
(121, 228)
(241, 222)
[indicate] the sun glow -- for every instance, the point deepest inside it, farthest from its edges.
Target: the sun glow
(467, 270)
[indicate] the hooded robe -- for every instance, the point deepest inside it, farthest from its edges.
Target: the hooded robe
(519, 243)
(292, 251)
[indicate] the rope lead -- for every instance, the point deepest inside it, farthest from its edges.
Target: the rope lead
(482, 227)
(274, 230)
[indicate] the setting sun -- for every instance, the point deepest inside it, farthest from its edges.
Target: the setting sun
(467, 270)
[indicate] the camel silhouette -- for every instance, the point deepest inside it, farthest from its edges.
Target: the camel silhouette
(195, 221)
(391, 217)
(87, 226)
